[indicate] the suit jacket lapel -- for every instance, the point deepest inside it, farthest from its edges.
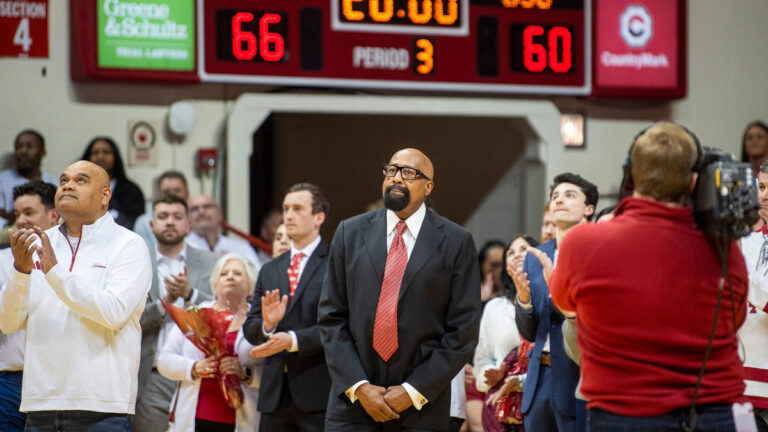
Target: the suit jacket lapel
(193, 267)
(309, 270)
(549, 248)
(282, 276)
(426, 245)
(375, 238)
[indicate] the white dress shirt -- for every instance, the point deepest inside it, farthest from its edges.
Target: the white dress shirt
(308, 250)
(409, 235)
(166, 268)
(225, 245)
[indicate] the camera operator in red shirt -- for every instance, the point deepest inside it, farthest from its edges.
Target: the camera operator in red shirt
(644, 287)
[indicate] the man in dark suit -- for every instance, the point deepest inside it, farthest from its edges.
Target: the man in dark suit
(400, 308)
(180, 275)
(282, 321)
(549, 402)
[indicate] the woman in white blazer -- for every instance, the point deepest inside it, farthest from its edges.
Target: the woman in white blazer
(232, 280)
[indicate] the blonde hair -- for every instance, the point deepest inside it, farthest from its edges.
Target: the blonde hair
(250, 269)
(663, 158)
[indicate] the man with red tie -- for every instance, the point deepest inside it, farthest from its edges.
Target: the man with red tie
(282, 321)
(400, 307)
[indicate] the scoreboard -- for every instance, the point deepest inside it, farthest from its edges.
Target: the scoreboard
(495, 46)
(616, 48)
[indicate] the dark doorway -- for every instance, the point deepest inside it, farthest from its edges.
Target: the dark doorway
(342, 153)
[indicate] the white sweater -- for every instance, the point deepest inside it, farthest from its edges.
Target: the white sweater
(754, 331)
(82, 321)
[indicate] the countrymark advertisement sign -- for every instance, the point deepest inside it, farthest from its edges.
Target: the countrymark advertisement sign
(640, 48)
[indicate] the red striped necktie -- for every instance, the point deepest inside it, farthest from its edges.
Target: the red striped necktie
(385, 324)
(293, 273)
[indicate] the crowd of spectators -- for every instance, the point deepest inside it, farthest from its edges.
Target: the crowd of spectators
(587, 327)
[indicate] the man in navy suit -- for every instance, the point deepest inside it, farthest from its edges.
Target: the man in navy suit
(549, 402)
(400, 308)
(283, 320)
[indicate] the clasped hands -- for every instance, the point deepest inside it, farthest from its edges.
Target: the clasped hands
(209, 367)
(22, 249)
(383, 404)
(272, 312)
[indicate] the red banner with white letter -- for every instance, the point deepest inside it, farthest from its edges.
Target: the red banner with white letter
(24, 28)
(640, 48)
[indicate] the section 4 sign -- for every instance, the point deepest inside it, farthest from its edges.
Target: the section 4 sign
(24, 28)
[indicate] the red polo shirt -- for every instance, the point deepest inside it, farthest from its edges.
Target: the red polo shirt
(644, 286)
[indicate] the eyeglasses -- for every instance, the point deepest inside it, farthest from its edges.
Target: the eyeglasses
(406, 172)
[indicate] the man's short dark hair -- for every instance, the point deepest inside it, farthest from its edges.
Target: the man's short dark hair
(171, 174)
(46, 192)
(170, 199)
(320, 203)
(37, 135)
(589, 189)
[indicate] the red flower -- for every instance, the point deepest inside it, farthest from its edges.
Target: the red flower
(207, 329)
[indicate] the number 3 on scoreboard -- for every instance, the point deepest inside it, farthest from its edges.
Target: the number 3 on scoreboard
(424, 51)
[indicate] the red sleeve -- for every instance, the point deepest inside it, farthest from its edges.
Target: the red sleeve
(738, 272)
(560, 283)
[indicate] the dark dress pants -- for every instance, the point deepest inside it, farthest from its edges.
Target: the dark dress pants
(289, 418)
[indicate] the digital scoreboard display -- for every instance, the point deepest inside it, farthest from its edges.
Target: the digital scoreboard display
(494, 46)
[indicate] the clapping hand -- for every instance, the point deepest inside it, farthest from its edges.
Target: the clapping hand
(523, 285)
(272, 309)
(277, 342)
(22, 249)
(546, 263)
(177, 286)
(47, 256)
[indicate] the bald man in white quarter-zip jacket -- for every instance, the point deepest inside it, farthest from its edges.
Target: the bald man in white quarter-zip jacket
(83, 334)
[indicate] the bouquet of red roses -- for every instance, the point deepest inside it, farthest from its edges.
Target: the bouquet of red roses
(207, 328)
(508, 408)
